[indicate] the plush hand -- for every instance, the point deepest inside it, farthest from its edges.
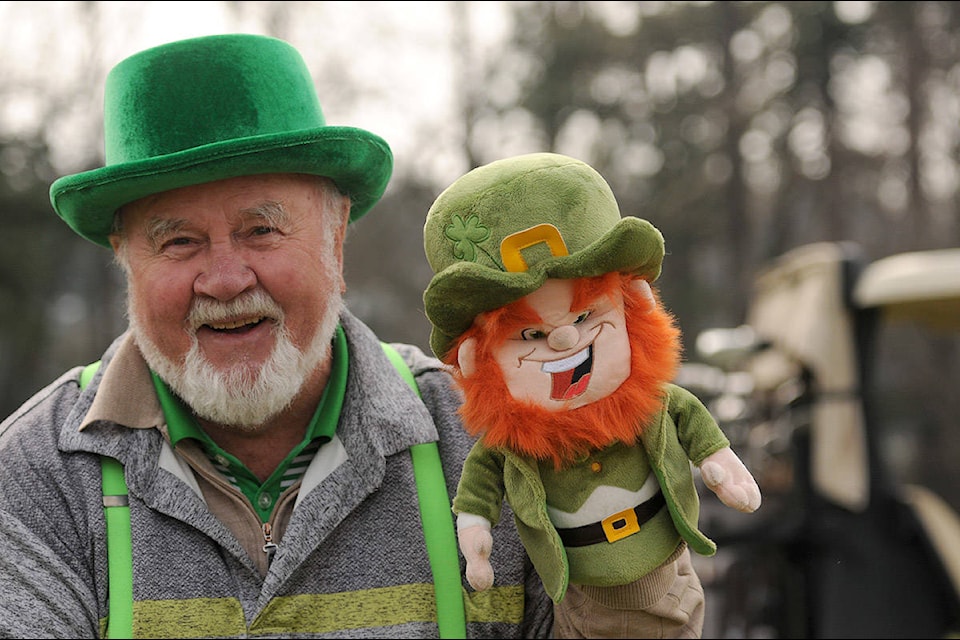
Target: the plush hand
(476, 543)
(725, 475)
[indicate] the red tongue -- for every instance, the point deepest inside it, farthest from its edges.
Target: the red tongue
(561, 382)
(578, 388)
(562, 387)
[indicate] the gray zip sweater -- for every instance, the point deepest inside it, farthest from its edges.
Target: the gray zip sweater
(351, 560)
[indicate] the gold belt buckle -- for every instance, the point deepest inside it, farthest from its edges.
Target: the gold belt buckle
(620, 525)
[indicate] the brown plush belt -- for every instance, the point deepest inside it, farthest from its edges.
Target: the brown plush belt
(612, 528)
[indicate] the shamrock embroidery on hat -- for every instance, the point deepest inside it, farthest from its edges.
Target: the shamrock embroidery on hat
(467, 236)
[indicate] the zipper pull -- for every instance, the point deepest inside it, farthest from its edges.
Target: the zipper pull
(269, 547)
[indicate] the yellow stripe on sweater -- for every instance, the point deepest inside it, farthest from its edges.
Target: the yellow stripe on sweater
(194, 618)
(317, 613)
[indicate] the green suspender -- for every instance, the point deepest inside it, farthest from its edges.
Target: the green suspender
(116, 511)
(435, 512)
(437, 524)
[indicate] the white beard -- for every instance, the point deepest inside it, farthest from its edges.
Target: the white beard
(239, 397)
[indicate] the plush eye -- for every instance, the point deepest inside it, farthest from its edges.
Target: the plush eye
(582, 317)
(533, 334)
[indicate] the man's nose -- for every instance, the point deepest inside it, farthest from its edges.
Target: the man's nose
(563, 337)
(225, 276)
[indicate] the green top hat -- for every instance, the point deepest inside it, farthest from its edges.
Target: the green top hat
(498, 232)
(211, 108)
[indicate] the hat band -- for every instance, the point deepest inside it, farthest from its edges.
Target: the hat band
(512, 246)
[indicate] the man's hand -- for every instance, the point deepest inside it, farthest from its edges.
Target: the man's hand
(726, 476)
(476, 542)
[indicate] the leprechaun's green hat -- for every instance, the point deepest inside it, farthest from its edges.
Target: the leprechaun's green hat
(211, 108)
(498, 232)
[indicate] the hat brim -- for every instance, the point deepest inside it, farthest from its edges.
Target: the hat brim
(462, 291)
(359, 162)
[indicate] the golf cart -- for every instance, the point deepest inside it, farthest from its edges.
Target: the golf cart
(848, 543)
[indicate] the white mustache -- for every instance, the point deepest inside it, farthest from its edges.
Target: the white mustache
(249, 308)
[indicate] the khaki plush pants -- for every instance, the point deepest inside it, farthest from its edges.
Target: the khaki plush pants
(666, 603)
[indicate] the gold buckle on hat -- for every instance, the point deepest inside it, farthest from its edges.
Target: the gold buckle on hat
(620, 525)
(513, 244)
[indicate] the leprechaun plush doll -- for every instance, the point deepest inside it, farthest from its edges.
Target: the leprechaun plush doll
(542, 302)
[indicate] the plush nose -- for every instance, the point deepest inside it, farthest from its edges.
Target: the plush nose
(563, 338)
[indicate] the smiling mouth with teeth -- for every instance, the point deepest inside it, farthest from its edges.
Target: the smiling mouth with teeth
(571, 375)
(236, 325)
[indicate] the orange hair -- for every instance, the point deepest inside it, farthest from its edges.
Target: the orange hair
(531, 430)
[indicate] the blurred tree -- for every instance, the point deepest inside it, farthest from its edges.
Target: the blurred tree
(58, 293)
(741, 129)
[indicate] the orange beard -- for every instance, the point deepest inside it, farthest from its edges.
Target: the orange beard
(528, 429)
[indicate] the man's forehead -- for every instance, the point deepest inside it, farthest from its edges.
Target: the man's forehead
(166, 220)
(269, 186)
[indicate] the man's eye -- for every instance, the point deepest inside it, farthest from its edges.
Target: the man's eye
(582, 317)
(177, 242)
(262, 231)
(533, 334)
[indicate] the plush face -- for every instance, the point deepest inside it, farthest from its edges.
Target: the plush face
(233, 283)
(563, 353)
(571, 367)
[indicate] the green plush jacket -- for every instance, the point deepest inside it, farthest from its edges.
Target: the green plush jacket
(682, 432)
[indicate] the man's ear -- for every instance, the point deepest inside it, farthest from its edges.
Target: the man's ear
(643, 288)
(466, 357)
(118, 244)
(339, 239)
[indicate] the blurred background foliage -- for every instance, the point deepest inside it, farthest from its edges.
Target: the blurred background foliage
(740, 129)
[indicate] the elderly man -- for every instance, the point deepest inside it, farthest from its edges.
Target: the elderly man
(271, 453)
